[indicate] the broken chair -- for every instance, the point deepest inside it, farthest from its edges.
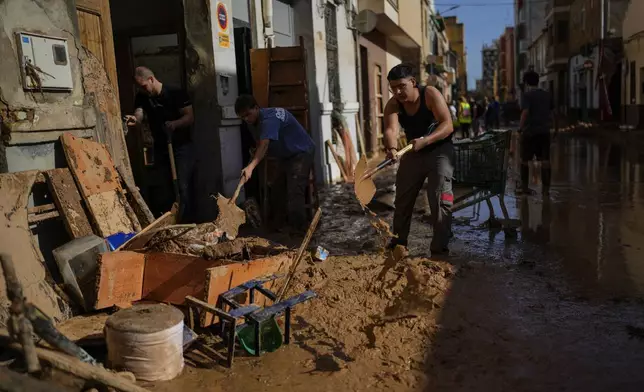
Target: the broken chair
(259, 332)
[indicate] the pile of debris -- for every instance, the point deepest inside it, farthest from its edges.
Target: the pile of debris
(122, 262)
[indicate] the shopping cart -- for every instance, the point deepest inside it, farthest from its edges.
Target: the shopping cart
(481, 172)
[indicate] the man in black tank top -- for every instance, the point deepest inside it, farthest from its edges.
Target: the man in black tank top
(416, 108)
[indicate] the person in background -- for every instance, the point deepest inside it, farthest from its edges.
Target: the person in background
(417, 108)
(281, 136)
(496, 116)
(454, 113)
(169, 112)
(537, 115)
(465, 117)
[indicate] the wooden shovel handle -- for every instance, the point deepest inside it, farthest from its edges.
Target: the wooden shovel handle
(386, 162)
(237, 190)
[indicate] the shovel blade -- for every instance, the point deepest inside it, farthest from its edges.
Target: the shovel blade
(230, 217)
(364, 189)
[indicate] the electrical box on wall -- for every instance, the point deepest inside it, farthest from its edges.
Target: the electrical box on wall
(44, 62)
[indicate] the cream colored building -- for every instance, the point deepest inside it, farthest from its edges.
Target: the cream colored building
(633, 68)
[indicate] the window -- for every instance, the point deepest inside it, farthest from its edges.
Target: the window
(394, 3)
(332, 62)
(60, 54)
(562, 31)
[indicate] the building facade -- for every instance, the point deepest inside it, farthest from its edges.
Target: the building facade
(530, 18)
(490, 61)
(388, 44)
(590, 26)
(456, 37)
(506, 77)
(633, 65)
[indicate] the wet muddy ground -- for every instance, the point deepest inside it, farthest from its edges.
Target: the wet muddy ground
(556, 307)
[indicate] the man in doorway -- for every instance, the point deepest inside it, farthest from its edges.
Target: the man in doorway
(169, 114)
(280, 135)
(537, 115)
(416, 108)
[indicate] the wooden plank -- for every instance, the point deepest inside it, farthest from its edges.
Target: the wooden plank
(170, 277)
(259, 74)
(223, 278)
(29, 262)
(68, 201)
(91, 165)
(109, 212)
(120, 278)
(109, 56)
(90, 28)
(89, 5)
(43, 217)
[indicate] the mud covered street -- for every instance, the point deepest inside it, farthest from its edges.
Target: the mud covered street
(556, 307)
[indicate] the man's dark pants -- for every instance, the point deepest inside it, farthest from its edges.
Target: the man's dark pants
(437, 167)
(162, 196)
(535, 145)
(293, 177)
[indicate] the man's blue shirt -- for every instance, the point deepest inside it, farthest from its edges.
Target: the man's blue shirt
(287, 136)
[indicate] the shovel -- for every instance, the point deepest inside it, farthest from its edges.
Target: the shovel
(364, 186)
(230, 216)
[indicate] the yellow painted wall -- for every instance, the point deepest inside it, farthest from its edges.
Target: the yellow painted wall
(410, 19)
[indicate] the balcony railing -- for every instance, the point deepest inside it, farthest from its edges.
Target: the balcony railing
(394, 3)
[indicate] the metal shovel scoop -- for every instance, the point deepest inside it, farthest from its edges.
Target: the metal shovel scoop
(230, 216)
(364, 186)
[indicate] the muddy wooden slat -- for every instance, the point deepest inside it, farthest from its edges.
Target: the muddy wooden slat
(109, 210)
(91, 165)
(138, 204)
(119, 279)
(43, 217)
(41, 208)
(68, 201)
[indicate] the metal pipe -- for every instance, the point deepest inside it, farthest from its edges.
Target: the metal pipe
(356, 36)
(267, 14)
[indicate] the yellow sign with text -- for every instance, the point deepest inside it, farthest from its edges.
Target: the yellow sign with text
(224, 40)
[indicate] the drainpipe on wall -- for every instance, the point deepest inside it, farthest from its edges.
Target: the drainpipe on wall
(356, 36)
(267, 12)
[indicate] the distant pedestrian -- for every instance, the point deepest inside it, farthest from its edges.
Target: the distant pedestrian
(465, 117)
(537, 115)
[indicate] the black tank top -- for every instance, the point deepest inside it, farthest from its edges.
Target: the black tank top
(418, 125)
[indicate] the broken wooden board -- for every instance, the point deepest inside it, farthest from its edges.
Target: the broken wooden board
(109, 210)
(68, 202)
(100, 186)
(17, 242)
(223, 278)
(91, 164)
(120, 278)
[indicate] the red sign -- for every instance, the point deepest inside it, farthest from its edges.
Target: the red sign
(222, 16)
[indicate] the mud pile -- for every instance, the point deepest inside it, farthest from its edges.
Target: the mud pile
(207, 241)
(361, 321)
